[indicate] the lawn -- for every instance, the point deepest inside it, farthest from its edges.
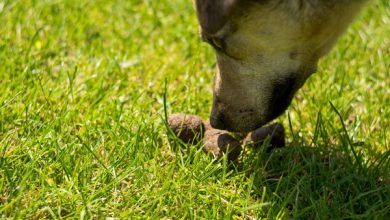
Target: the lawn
(82, 135)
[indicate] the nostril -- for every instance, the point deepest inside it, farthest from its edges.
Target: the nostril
(218, 121)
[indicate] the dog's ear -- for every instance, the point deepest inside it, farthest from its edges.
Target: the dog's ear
(213, 14)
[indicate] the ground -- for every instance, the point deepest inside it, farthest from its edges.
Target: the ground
(82, 134)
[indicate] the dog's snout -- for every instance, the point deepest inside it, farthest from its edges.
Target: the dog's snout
(218, 120)
(218, 117)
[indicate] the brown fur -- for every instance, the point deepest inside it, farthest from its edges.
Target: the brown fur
(266, 49)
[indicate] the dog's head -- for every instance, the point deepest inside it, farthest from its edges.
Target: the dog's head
(266, 49)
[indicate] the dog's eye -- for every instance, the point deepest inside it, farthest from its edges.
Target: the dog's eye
(217, 43)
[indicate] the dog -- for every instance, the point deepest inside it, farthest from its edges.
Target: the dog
(265, 50)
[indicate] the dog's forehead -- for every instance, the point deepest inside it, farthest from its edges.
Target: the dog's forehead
(214, 15)
(248, 15)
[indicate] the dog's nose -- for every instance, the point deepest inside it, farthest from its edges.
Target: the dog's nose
(217, 120)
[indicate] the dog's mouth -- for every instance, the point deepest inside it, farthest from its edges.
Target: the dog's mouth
(240, 127)
(243, 120)
(242, 116)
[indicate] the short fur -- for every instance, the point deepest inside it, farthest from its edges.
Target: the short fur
(266, 49)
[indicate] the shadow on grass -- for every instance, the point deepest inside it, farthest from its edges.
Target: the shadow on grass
(321, 182)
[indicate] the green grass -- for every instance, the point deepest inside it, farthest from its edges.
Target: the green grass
(81, 133)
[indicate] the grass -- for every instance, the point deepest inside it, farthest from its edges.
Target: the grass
(81, 133)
